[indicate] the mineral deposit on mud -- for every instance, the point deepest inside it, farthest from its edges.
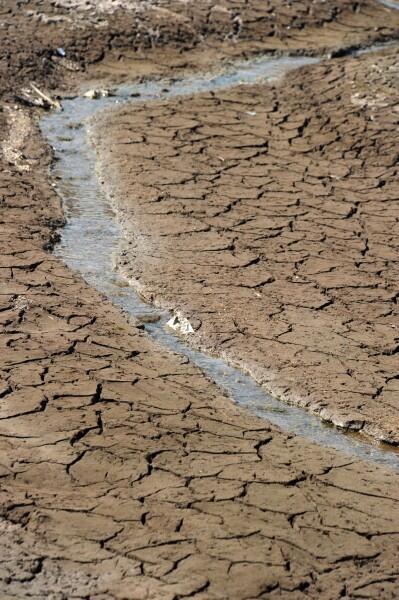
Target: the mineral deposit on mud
(126, 473)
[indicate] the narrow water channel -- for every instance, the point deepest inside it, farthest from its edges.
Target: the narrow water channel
(390, 3)
(92, 234)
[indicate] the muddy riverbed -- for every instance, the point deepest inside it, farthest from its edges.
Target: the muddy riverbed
(91, 219)
(127, 471)
(267, 216)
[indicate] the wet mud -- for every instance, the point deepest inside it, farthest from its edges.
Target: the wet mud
(126, 473)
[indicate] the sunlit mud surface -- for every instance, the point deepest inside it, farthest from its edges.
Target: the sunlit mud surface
(92, 234)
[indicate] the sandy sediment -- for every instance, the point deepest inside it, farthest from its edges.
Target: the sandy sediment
(268, 216)
(125, 473)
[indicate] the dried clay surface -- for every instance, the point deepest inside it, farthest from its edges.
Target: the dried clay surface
(125, 474)
(103, 36)
(269, 216)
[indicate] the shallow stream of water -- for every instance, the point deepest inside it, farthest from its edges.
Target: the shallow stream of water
(92, 234)
(390, 3)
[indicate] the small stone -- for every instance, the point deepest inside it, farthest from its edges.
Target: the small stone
(180, 324)
(96, 94)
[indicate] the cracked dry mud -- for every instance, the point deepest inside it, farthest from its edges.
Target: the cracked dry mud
(126, 43)
(125, 473)
(268, 215)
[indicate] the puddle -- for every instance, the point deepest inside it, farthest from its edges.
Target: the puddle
(92, 234)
